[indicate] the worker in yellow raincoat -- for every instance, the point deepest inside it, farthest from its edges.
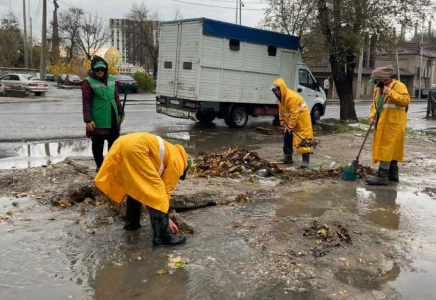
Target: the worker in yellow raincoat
(388, 115)
(146, 169)
(295, 116)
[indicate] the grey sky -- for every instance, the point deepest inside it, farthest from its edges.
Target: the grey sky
(252, 13)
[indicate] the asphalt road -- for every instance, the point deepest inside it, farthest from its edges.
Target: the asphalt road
(59, 116)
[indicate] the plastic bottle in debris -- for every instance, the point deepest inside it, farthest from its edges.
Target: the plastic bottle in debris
(332, 164)
(245, 170)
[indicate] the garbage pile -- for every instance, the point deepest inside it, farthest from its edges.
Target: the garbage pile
(231, 163)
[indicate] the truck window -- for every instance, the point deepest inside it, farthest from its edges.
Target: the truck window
(187, 65)
(234, 45)
(306, 79)
(272, 51)
(168, 64)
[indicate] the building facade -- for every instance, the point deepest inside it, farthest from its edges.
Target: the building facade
(132, 41)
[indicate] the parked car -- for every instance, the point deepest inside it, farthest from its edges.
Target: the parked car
(29, 82)
(50, 77)
(61, 79)
(122, 80)
(73, 79)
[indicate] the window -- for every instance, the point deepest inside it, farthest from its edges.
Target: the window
(15, 77)
(6, 77)
(272, 51)
(234, 45)
(168, 65)
(187, 65)
(305, 79)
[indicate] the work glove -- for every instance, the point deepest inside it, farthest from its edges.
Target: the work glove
(122, 119)
(282, 123)
(90, 126)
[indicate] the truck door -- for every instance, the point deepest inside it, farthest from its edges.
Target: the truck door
(169, 48)
(308, 88)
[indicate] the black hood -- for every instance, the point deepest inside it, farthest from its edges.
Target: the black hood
(96, 59)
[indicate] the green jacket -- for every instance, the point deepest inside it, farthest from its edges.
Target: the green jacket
(104, 98)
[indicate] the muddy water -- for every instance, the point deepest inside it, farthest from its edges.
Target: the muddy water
(206, 139)
(408, 211)
(48, 253)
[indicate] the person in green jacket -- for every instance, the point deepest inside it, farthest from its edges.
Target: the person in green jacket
(101, 108)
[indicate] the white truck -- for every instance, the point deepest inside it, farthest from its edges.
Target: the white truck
(210, 69)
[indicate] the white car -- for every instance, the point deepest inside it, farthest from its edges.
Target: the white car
(26, 81)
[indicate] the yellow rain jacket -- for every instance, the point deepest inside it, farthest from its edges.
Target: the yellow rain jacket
(293, 110)
(388, 141)
(143, 166)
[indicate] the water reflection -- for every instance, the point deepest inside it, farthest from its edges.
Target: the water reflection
(38, 154)
(379, 206)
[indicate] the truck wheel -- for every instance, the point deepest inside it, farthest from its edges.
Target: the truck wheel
(205, 117)
(238, 117)
(316, 114)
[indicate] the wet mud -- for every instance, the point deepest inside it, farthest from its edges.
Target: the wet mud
(246, 240)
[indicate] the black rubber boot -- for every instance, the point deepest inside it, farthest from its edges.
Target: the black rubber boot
(393, 173)
(305, 162)
(133, 214)
(380, 179)
(287, 159)
(161, 231)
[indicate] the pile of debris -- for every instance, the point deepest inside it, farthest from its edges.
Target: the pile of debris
(231, 164)
(313, 174)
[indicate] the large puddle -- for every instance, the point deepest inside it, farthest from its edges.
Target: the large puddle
(207, 139)
(77, 255)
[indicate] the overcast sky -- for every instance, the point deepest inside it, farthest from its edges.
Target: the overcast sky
(252, 12)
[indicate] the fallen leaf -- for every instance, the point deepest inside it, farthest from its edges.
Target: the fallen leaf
(342, 294)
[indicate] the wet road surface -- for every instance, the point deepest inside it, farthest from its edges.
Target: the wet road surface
(50, 252)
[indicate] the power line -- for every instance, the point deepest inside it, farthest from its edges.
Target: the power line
(232, 1)
(35, 18)
(215, 6)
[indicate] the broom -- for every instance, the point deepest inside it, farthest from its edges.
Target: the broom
(350, 173)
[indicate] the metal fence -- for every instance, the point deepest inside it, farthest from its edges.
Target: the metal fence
(4, 71)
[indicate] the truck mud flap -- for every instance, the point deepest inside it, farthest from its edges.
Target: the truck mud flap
(176, 113)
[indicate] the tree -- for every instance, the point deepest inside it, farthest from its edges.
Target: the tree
(293, 17)
(11, 42)
(343, 25)
(69, 23)
(143, 33)
(93, 34)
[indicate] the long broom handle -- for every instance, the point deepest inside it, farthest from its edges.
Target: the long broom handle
(364, 141)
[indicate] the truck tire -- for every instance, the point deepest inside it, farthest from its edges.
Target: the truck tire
(205, 117)
(315, 114)
(238, 118)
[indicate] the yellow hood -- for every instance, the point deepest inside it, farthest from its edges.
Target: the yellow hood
(282, 85)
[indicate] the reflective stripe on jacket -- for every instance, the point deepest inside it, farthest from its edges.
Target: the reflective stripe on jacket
(143, 166)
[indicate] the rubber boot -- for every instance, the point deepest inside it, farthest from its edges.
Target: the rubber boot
(393, 173)
(161, 231)
(305, 162)
(380, 179)
(287, 159)
(133, 214)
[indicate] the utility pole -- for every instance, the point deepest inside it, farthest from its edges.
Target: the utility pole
(236, 19)
(42, 64)
(420, 67)
(31, 43)
(359, 75)
(26, 48)
(240, 11)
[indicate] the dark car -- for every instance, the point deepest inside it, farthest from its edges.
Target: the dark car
(73, 79)
(122, 80)
(61, 79)
(50, 77)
